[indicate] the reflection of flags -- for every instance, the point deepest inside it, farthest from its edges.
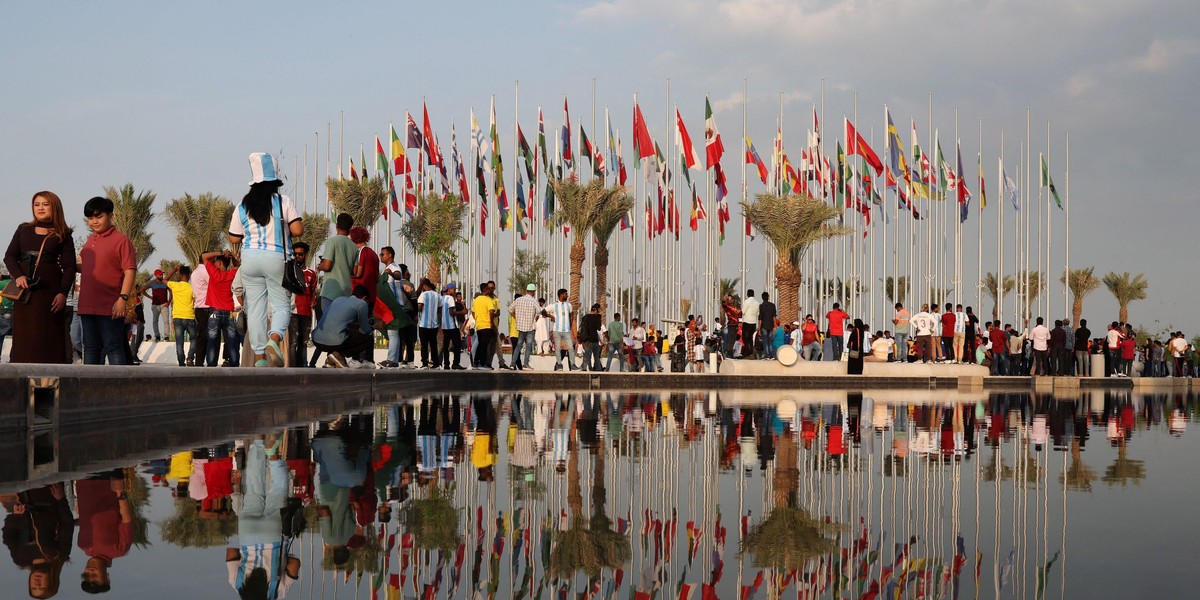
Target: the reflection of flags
(1048, 181)
(752, 158)
(855, 144)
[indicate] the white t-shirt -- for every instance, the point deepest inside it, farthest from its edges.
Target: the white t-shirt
(881, 347)
(1113, 338)
(750, 311)
(394, 284)
(1040, 336)
(960, 322)
(561, 311)
(1178, 346)
(923, 323)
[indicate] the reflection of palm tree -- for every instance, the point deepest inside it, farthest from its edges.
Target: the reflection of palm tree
(433, 520)
(362, 560)
(993, 470)
(1124, 469)
(1079, 477)
(789, 537)
(139, 499)
(186, 529)
(587, 545)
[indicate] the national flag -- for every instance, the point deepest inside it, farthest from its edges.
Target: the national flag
(713, 148)
(566, 136)
(698, 213)
(480, 145)
(435, 153)
(586, 149)
(397, 152)
(643, 144)
(622, 176)
(895, 149)
(946, 174)
(722, 202)
(1048, 182)
(922, 161)
(541, 143)
(526, 153)
(392, 194)
(498, 174)
(381, 162)
(520, 218)
(1010, 187)
(752, 158)
(855, 144)
(685, 142)
(362, 158)
(460, 174)
(613, 159)
(353, 171)
(412, 132)
(982, 187)
(410, 197)
(842, 172)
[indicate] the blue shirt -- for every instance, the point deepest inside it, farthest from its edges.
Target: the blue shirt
(561, 311)
(430, 304)
(342, 313)
(448, 320)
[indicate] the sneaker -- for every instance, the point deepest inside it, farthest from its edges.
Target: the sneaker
(337, 360)
(274, 354)
(191, 362)
(458, 368)
(504, 367)
(557, 367)
(483, 368)
(360, 364)
(262, 362)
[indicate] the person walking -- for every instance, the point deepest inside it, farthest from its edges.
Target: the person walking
(41, 259)
(564, 330)
(616, 342)
(200, 308)
(524, 312)
(108, 263)
(264, 224)
(429, 313)
(303, 304)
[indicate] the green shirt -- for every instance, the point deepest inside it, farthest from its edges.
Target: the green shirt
(616, 332)
(344, 254)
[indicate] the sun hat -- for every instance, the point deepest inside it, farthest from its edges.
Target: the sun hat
(263, 168)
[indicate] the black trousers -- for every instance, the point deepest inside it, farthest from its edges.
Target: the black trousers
(451, 342)
(429, 346)
(408, 344)
(486, 345)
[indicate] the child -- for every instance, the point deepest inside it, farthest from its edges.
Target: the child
(698, 351)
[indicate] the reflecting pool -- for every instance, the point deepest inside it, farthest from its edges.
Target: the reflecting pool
(732, 494)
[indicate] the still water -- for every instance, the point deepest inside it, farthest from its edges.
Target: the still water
(734, 495)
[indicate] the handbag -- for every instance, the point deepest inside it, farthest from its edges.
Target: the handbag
(293, 271)
(21, 295)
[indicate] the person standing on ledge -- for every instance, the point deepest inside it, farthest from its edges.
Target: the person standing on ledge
(41, 259)
(160, 301)
(766, 325)
(837, 330)
(524, 310)
(750, 311)
(108, 264)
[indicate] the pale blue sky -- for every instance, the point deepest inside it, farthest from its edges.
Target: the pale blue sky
(172, 96)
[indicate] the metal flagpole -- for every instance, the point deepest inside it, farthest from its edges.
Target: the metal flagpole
(1002, 187)
(979, 234)
(745, 100)
(341, 153)
(1049, 229)
(1028, 219)
(1067, 240)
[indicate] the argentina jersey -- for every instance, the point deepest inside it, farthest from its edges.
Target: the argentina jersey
(431, 305)
(448, 320)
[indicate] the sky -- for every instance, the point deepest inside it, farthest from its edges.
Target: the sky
(173, 96)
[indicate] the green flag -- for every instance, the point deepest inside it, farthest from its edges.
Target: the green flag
(1048, 182)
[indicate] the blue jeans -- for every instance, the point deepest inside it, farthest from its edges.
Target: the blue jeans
(591, 356)
(812, 351)
(526, 340)
(614, 350)
(262, 277)
(999, 363)
(768, 348)
(219, 322)
(651, 363)
(5, 328)
(393, 348)
(103, 338)
(258, 521)
(188, 326)
(902, 347)
(562, 343)
(836, 342)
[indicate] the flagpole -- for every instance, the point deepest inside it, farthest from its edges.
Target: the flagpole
(930, 251)
(1049, 229)
(1003, 185)
(516, 170)
(1067, 240)
(1026, 306)
(745, 100)
(979, 235)
(341, 153)
(304, 186)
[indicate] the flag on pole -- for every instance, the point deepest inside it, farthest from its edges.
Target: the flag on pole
(541, 142)
(353, 171)
(896, 149)
(643, 144)
(566, 137)
(1048, 182)
(479, 142)
(498, 174)
(752, 158)
(527, 154)
(963, 195)
(1010, 187)
(687, 150)
(982, 187)
(586, 149)
(713, 148)
(410, 197)
(926, 176)
(362, 160)
(381, 162)
(722, 202)
(946, 182)
(435, 153)
(460, 174)
(397, 152)
(855, 144)
(412, 132)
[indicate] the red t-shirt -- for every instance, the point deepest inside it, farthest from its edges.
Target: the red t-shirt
(370, 274)
(948, 324)
(220, 287)
(104, 258)
(101, 531)
(1128, 348)
(999, 341)
(808, 333)
(837, 317)
(304, 302)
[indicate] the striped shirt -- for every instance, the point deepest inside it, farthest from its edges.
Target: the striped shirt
(561, 311)
(430, 304)
(272, 237)
(448, 320)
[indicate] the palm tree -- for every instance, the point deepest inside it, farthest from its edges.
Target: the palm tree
(895, 288)
(588, 545)
(200, 223)
(841, 291)
(991, 287)
(1035, 283)
(1126, 288)
(613, 204)
(1081, 283)
(791, 223)
(433, 520)
(316, 231)
(729, 287)
(362, 199)
(434, 231)
(577, 209)
(132, 215)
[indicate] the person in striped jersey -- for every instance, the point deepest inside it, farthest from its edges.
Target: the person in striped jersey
(429, 309)
(563, 331)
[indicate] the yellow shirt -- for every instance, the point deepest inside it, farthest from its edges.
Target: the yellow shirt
(182, 306)
(481, 453)
(482, 309)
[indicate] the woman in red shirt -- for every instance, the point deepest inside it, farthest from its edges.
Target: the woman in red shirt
(1128, 352)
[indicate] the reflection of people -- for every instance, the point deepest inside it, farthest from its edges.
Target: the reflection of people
(105, 527)
(37, 532)
(260, 566)
(344, 459)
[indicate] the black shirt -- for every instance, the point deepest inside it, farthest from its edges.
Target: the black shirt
(767, 314)
(1082, 335)
(590, 328)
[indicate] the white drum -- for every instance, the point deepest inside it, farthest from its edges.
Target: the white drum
(787, 355)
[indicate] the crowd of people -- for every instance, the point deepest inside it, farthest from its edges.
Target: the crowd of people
(61, 306)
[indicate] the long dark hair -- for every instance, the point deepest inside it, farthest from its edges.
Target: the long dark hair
(258, 200)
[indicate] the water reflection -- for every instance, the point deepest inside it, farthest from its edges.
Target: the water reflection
(642, 495)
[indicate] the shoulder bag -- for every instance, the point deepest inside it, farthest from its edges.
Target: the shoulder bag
(21, 295)
(293, 270)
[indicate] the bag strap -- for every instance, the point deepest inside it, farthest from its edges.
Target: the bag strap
(38, 261)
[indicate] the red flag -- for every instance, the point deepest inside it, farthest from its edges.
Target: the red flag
(855, 144)
(685, 141)
(435, 155)
(643, 145)
(713, 148)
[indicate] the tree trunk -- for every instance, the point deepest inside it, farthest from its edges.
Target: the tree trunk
(578, 253)
(600, 260)
(1124, 313)
(1076, 311)
(434, 274)
(574, 490)
(995, 311)
(787, 284)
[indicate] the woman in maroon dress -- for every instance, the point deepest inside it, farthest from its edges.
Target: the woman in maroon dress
(38, 324)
